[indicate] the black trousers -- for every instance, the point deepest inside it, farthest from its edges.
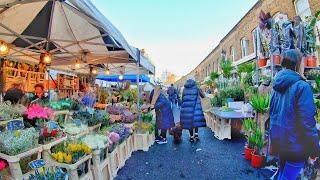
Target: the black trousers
(163, 132)
(191, 131)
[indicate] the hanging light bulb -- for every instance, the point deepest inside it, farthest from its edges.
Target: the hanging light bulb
(46, 58)
(107, 71)
(121, 77)
(94, 71)
(77, 65)
(4, 48)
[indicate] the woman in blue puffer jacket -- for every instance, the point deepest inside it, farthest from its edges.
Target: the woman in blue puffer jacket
(191, 115)
(294, 136)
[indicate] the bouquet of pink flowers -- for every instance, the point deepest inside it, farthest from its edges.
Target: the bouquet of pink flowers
(35, 111)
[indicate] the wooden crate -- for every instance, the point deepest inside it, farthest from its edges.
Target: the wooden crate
(143, 141)
(115, 161)
(101, 166)
(14, 162)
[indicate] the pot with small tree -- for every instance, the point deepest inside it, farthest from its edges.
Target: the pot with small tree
(260, 103)
(249, 126)
(311, 40)
(257, 158)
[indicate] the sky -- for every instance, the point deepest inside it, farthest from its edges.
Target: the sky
(176, 34)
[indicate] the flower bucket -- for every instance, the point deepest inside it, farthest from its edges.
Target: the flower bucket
(312, 61)
(256, 160)
(247, 153)
(262, 62)
(276, 59)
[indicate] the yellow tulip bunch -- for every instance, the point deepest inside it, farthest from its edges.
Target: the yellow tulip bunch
(62, 157)
(79, 147)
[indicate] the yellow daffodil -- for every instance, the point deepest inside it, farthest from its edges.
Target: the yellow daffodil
(68, 158)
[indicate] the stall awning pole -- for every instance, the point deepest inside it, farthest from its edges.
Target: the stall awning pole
(138, 84)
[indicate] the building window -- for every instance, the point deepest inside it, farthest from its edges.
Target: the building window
(233, 53)
(302, 8)
(254, 39)
(244, 46)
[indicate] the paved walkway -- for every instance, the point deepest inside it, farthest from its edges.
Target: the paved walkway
(207, 159)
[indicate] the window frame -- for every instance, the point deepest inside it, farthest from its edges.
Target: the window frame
(308, 9)
(244, 47)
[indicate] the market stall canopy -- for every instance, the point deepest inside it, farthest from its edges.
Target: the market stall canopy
(130, 77)
(72, 31)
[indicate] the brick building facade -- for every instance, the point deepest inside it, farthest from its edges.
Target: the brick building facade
(239, 44)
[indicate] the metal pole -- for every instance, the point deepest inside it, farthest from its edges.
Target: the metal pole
(138, 84)
(257, 58)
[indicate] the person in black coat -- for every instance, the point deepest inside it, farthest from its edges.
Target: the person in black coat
(14, 94)
(191, 115)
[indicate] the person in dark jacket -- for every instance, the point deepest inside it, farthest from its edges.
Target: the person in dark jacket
(191, 115)
(164, 115)
(14, 94)
(173, 95)
(294, 136)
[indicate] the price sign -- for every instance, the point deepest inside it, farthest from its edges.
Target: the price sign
(15, 125)
(36, 164)
(52, 125)
(77, 122)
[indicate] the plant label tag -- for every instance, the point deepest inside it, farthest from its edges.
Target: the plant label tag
(15, 125)
(77, 122)
(36, 164)
(52, 125)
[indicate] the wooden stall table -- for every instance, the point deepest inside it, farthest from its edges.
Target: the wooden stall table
(222, 122)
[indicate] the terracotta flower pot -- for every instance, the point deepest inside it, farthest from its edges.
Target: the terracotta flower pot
(256, 160)
(262, 62)
(247, 153)
(311, 61)
(305, 60)
(276, 59)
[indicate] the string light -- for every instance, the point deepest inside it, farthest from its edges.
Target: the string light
(94, 71)
(4, 48)
(46, 58)
(120, 77)
(77, 65)
(107, 70)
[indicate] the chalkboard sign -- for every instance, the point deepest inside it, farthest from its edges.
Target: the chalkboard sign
(77, 122)
(52, 125)
(36, 164)
(15, 125)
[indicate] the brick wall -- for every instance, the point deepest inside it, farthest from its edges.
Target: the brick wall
(244, 28)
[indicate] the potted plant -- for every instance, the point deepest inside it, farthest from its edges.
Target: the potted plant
(226, 67)
(311, 40)
(260, 103)
(276, 59)
(249, 126)
(257, 158)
